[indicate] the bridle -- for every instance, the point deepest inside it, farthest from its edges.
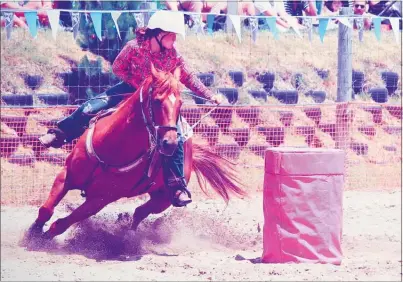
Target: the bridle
(152, 128)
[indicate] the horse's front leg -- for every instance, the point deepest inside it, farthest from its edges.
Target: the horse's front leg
(159, 201)
(57, 193)
(90, 207)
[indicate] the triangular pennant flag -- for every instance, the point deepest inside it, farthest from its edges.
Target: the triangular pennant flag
(377, 27)
(97, 21)
(139, 17)
(115, 16)
(394, 22)
(75, 23)
(210, 23)
(9, 18)
(254, 28)
(322, 28)
(271, 21)
(197, 23)
(345, 21)
(359, 22)
(236, 24)
(31, 18)
(296, 29)
(53, 16)
(309, 26)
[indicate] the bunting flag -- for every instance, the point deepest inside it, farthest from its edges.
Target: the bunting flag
(9, 18)
(233, 22)
(236, 24)
(139, 17)
(322, 28)
(54, 16)
(377, 27)
(309, 26)
(254, 27)
(271, 21)
(75, 23)
(197, 24)
(115, 16)
(31, 18)
(97, 21)
(210, 23)
(394, 22)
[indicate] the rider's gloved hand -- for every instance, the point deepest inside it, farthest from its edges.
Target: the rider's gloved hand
(217, 99)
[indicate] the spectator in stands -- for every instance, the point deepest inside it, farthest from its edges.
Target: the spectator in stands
(332, 8)
(270, 9)
(360, 8)
(197, 6)
(300, 8)
(19, 17)
(385, 9)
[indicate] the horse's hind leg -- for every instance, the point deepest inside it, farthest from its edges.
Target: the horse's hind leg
(87, 209)
(57, 193)
(159, 201)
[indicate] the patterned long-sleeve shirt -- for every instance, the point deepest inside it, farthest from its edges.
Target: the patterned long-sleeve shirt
(133, 65)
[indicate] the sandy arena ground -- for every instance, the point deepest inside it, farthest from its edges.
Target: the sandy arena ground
(205, 242)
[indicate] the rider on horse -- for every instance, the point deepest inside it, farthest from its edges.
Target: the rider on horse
(152, 45)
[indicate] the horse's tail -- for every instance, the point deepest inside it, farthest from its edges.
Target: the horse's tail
(218, 171)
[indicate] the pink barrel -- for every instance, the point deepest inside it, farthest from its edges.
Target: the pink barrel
(303, 190)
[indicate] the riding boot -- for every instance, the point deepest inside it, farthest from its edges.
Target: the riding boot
(75, 125)
(175, 179)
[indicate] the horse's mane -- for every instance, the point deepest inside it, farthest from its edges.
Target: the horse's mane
(164, 84)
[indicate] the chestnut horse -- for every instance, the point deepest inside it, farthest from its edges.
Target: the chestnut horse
(119, 156)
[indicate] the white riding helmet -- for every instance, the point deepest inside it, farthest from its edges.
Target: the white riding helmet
(168, 21)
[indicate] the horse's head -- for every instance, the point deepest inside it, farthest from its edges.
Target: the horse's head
(164, 104)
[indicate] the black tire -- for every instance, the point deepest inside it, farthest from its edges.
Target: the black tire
(322, 73)
(395, 111)
(267, 79)
(318, 96)
(258, 94)
(390, 148)
(359, 148)
(241, 135)
(17, 123)
(391, 80)
(8, 145)
(230, 151)
(376, 112)
(393, 129)
(314, 113)
(358, 81)
(329, 128)
(379, 94)
(237, 77)
(54, 99)
(274, 135)
(286, 117)
(368, 130)
(231, 94)
(305, 130)
(207, 79)
(258, 150)
(18, 100)
(286, 96)
(251, 115)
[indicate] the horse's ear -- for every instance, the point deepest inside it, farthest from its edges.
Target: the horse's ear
(153, 70)
(177, 73)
